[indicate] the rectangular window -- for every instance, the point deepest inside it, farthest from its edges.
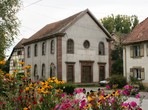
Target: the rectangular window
(137, 73)
(70, 73)
(136, 51)
(19, 53)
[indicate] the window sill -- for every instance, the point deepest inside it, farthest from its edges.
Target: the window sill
(137, 57)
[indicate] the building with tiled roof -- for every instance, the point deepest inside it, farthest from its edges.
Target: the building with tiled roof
(17, 55)
(75, 49)
(135, 53)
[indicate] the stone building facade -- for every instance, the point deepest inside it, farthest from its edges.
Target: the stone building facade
(76, 49)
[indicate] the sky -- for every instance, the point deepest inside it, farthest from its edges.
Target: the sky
(35, 14)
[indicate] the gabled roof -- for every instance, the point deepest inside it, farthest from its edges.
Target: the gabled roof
(19, 45)
(59, 27)
(139, 34)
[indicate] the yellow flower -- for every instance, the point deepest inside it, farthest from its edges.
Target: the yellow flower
(24, 67)
(15, 71)
(8, 74)
(59, 90)
(11, 75)
(29, 107)
(4, 85)
(25, 108)
(27, 73)
(89, 99)
(2, 62)
(27, 89)
(1, 75)
(39, 89)
(45, 92)
(1, 71)
(22, 63)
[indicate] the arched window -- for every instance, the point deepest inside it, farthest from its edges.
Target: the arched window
(43, 48)
(43, 70)
(35, 50)
(28, 53)
(35, 70)
(70, 46)
(52, 46)
(101, 48)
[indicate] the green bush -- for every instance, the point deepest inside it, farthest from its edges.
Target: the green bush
(117, 79)
(67, 87)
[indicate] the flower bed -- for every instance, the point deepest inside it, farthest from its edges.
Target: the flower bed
(45, 95)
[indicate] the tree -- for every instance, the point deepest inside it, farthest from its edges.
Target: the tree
(117, 55)
(120, 23)
(9, 24)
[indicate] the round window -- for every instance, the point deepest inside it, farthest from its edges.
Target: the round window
(86, 44)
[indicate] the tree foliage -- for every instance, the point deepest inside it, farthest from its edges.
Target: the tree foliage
(9, 23)
(117, 55)
(120, 23)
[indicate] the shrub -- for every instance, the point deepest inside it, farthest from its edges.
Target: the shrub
(67, 87)
(117, 79)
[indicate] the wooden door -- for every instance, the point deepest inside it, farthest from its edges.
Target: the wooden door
(102, 73)
(70, 73)
(86, 74)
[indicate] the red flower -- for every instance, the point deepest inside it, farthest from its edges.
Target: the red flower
(57, 95)
(21, 91)
(20, 98)
(34, 102)
(1, 102)
(41, 99)
(13, 98)
(27, 103)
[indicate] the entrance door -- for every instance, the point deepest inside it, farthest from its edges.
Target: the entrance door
(86, 74)
(70, 73)
(102, 73)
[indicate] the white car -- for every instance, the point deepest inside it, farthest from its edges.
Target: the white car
(104, 82)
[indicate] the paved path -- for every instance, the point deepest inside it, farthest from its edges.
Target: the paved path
(144, 103)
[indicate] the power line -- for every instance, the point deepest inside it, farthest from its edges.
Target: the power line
(32, 3)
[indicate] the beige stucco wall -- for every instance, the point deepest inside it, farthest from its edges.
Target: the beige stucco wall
(85, 29)
(46, 59)
(129, 62)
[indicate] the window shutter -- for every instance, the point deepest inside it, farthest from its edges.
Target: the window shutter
(132, 72)
(141, 50)
(142, 73)
(131, 51)
(147, 49)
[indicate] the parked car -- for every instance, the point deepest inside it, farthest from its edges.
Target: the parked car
(103, 82)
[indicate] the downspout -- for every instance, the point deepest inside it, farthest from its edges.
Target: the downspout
(125, 61)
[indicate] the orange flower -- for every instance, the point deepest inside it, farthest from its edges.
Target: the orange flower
(25, 108)
(22, 63)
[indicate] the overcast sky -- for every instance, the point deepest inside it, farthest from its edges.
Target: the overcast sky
(35, 14)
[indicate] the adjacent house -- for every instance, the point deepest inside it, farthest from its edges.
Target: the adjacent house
(135, 53)
(75, 49)
(17, 55)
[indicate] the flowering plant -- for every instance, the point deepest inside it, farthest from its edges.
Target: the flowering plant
(42, 95)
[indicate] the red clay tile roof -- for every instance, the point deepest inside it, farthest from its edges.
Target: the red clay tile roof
(57, 27)
(19, 45)
(52, 28)
(140, 33)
